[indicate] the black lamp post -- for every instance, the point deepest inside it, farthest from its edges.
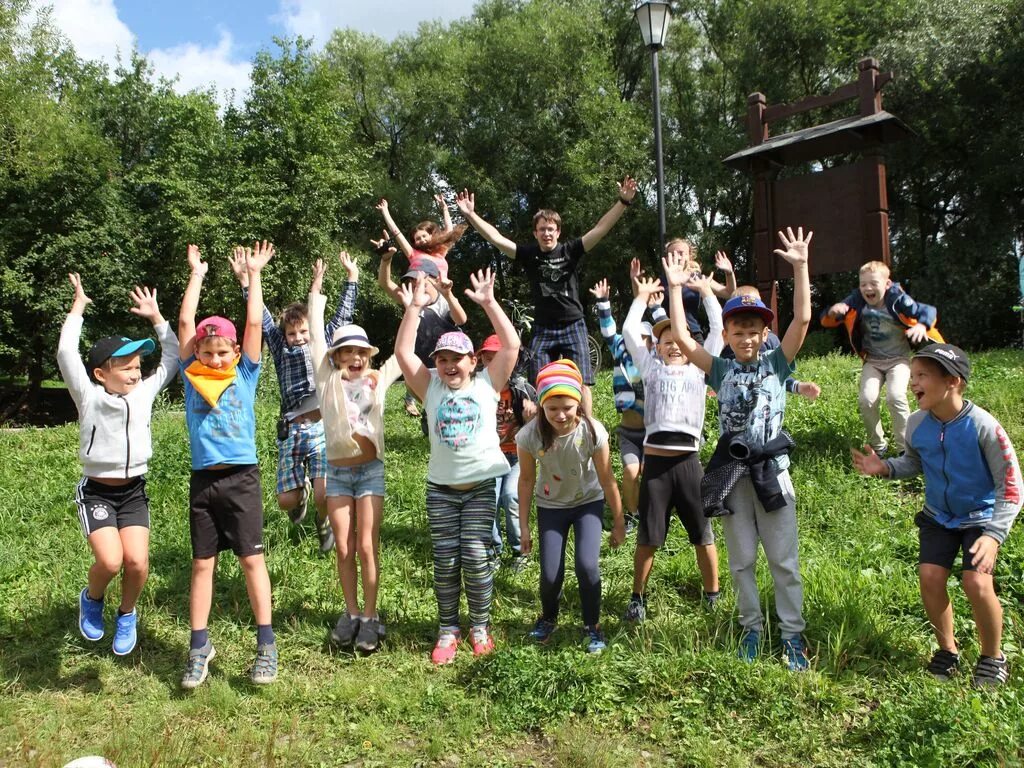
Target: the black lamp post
(653, 17)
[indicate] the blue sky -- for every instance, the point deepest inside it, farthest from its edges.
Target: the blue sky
(211, 42)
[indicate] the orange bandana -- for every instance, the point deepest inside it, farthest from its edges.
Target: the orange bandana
(209, 382)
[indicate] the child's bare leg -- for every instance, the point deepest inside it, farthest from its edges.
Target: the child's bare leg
(107, 559)
(135, 546)
(936, 603)
(341, 512)
(320, 496)
(368, 512)
(257, 584)
(289, 499)
(630, 487)
(643, 562)
(987, 610)
(200, 596)
(707, 563)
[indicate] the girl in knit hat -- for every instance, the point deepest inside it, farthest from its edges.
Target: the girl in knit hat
(574, 480)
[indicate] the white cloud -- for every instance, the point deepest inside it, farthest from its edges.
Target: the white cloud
(319, 18)
(93, 27)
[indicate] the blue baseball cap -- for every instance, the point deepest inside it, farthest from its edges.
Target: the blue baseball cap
(747, 304)
(116, 346)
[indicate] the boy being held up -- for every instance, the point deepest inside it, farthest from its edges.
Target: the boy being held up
(114, 406)
(969, 503)
(882, 322)
(752, 403)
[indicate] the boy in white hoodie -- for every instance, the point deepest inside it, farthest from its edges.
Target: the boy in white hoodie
(114, 405)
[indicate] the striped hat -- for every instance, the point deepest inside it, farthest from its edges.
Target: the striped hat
(560, 378)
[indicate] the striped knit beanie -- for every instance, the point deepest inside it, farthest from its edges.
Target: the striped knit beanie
(560, 378)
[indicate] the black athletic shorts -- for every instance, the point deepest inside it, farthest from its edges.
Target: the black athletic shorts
(672, 483)
(111, 506)
(940, 546)
(226, 511)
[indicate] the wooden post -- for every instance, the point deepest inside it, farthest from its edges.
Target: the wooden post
(870, 98)
(757, 128)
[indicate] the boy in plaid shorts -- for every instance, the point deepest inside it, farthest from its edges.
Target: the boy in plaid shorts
(553, 268)
(300, 430)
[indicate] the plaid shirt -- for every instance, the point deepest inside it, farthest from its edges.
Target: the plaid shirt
(294, 365)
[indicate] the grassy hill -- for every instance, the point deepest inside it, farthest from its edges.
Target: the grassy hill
(669, 692)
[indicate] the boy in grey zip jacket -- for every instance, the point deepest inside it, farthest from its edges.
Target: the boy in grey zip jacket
(114, 406)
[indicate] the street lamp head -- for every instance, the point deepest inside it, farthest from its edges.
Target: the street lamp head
(653, 17)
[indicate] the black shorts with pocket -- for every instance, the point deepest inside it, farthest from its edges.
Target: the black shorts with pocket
(672, 483)
(940, 545)
(111, 506)
(226, 511)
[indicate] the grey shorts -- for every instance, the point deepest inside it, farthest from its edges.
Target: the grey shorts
(631, 445)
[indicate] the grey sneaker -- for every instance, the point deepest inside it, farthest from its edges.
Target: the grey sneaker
(264, 668)
(519, 563)
(325, 534)
(636, 610)
(298, 513)
(371, 632)
(198, 666)
(344, 632)
(990, 672)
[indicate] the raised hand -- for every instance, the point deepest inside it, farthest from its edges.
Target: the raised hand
(413, 294)
(382, 205)
(795, 251)
(917, 333)
(319, 270)
(601, 290)
(645, 287)
(439, 199)
(237, 261)
(195, 261)
(465, 201)
(722, 262)
(868, 463)
(145, 304)
(444, 285)
(384, 246)
(349, 263)
(80, 301)
(699, 283)
(677, 270)
(257, 258)
(627, 189)
(482, 291)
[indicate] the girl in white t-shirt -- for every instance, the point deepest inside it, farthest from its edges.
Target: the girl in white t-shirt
(574, 481)
(465, 458)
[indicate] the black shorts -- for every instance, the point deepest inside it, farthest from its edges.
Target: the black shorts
(226, 511)
(672, 482)
(111, 506)
(940, 546)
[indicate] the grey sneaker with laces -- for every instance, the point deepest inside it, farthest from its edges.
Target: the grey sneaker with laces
(371, 632)
(345, 630)
(198, 666)
(264, 667)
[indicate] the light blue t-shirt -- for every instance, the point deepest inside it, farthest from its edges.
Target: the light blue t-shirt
(752, 397)
(225, 434)
(883, 337)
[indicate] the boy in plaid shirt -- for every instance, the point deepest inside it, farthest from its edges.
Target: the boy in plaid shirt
(300, 430)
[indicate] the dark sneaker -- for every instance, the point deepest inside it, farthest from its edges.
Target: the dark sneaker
(710, 600)
(90, 616)
(944, 664)
(410, 407)
(796, 654)
(198, 666)
(298, 513)
(126, 634)
(325, 534)
(990, 672)
(371, 631)
(519, 563)
(542, 630)
(595, 642)
(636, 610)
(631, 523)
(750, 645)
(345, 631)
(264, 667)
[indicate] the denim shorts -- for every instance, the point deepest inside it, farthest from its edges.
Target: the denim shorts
(362, 480)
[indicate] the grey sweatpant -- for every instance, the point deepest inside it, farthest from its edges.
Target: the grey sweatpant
(776, 531)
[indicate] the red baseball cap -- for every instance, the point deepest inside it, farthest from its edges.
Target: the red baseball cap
(216, 326)
(491, 344)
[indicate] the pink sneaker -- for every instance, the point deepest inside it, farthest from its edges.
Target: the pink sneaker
(447, 645)
(482, 641)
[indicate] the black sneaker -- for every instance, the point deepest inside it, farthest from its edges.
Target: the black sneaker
(344, 632)
(990, 672)
(945, 664)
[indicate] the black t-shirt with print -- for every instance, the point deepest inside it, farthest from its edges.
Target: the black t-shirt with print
(554, 281)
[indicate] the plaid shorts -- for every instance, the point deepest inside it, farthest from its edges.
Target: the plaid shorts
(550, 344)
(305, 443)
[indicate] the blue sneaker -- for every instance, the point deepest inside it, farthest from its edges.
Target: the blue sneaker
(595, 639)
(90, 616)
(125, 635)
(542, 630)
(750, 645)
(796, 654)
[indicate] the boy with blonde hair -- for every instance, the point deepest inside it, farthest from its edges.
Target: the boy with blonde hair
(883, 321)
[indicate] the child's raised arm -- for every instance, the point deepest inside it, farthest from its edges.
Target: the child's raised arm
(627, 191)
(466, 203)
(190, 303)
(458, 312)
(677, 274)
(349, 292)
(72, 369)
(446, 217)
(795, 253)
(386, 251)
(389, 222)
(146, 306)
(505, 358)
(723, 263)
(255, 261)
(414, 298)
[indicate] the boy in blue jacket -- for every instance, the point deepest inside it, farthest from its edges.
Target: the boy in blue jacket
(883, 321)
(972, 496)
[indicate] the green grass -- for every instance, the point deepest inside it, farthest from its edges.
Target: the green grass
(667, 693)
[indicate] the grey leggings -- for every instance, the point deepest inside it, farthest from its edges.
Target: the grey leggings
(553, 526)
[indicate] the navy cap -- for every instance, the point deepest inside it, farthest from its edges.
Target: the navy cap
(743, 304)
